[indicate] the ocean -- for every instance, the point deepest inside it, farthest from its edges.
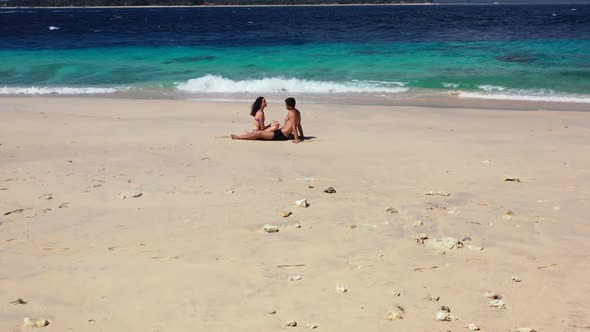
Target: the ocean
(512, 52)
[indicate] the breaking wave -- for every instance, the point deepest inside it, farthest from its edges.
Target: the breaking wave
(502, 93)
(219, 84)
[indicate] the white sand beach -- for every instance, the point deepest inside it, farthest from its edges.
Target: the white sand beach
(190, 253)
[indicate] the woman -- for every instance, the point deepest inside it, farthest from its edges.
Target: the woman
(257, 112)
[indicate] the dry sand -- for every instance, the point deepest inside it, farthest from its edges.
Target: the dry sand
(191, 254)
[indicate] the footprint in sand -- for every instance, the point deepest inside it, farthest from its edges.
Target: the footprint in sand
(54, 249)
(166, 258)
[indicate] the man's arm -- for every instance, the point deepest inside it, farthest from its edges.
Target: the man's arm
(294, 120)
(300, 129)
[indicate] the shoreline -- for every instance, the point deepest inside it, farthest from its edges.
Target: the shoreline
(444, 101)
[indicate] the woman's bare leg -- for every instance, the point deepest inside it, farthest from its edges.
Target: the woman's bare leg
(272, 127)
(264, 135)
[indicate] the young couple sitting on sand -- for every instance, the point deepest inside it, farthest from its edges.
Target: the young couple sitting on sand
(274, 131)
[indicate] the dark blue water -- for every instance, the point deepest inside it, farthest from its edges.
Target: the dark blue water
(264, 26)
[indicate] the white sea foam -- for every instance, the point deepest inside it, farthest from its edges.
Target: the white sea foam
(450, 85)
(218, 84)
(33, 90)
(53, 27)
(503, 93)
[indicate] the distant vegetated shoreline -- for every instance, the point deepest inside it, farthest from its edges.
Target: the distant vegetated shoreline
(131, 3)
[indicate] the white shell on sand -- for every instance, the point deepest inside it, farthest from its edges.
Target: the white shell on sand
(271, 228)
(341, 289)
(516, 279)
(302, 203)
(473, 327)
(525, 329)
(497, 304)
(295, 278)
(418, 223)
(46, 196)
(396, 313)
(290, 323)
(130, 195)
(474, 248)
(438, 193)
(33, 322)
(454, 211)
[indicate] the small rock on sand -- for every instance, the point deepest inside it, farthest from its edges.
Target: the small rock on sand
(271, 228)
(443, 244)
(516, 279)
(312, 326)
(33, 322)
(498, 304)
(397, 312)
(473, 327)
(302, 203)
(330, 190)
(285, 214)
(64, 205)
(290, 323)
(433, 298)
(511, 179)
(444, 316)
(391, 210)
(18, 301)
(341, 289)
(438, 193)
(130, 195)
(492, 295)
(272, 312)
(420, 238)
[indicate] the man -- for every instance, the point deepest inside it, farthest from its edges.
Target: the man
(292, 126)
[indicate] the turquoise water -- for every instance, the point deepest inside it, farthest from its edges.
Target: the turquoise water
(496, 62)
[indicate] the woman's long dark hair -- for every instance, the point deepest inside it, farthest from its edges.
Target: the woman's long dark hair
(256, 106)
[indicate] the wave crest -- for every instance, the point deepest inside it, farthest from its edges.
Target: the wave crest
(219, 84)
(503, 93)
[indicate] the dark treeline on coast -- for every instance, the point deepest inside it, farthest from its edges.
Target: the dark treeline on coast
(85, 3)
